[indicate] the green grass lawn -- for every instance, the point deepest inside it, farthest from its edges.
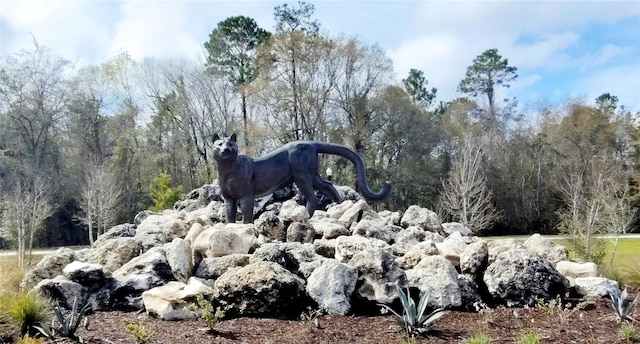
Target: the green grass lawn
(625, 266)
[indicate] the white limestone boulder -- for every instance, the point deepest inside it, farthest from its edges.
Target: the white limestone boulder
(421, 217)
(172, 301)
(331, 286)
(436, 276)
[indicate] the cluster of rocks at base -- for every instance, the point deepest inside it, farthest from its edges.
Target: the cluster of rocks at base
(345, 260)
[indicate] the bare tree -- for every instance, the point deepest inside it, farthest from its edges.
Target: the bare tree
(466, 197)
(24, 211)
(597, 197)
(100, 197)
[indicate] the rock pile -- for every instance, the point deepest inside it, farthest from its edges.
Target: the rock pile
(345, 260)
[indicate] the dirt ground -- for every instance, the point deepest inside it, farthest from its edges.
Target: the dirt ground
(591, 322)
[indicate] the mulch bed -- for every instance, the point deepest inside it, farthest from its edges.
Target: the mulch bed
(594, 322)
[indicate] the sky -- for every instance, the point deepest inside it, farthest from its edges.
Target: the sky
(562, 49)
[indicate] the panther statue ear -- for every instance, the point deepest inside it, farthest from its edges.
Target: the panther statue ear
(233, 137)
(216, 137)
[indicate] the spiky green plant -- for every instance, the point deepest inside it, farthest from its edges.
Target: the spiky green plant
(27, 310)
(413, 319)
(622, 305)
(67, 324)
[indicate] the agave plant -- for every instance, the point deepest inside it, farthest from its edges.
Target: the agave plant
(67, 325)
(622, 305)
(413, 319)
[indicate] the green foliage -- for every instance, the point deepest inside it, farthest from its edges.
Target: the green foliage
(162, 194)
(530, 338)
(210, 316)
(414, 320)
(416, 87)
(233, 49)
(488, 70)
(479, 338)
(622, 305)
(139, 333)
(627, 332)
(25, 309)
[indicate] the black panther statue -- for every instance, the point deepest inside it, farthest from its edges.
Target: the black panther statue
(242, 178)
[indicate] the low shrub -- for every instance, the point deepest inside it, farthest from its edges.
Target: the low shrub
(530, 338)
(479, 338)
(627, 332)
(27, 310)
(140, 334)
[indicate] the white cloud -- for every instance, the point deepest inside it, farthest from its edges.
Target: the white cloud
(154, 29)
(546, 40)
(74, 29)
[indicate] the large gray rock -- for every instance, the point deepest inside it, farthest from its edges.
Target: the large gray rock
(337, 210)
(89, 275)
(172, 301)
(375, 229)
(498, 246)
(325, 247)
(436, 276)
(142, 273)
(159, 229)
(575, 270)
(194, 231)
(63, 291)
(120, 231)
(200, 197)
(293, 212)
(300, 259)
(48, 267)
(269, 225)
(348, 246)
(546, 248)
(214, 267)
(451, 247)
(595, 286)
(520, 277)
(221, 240)
(330, 228)
(421, 217)
(378, 274)
(260, 289)
(114, 253)
(300, 232)
(469, 292)
(358, 212)
(391, 217)
(475, 258)
(410, 235)
(416, 253)
(180, 259)
(453, 227)
(331, 286)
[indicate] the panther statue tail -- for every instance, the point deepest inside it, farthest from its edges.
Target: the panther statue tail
(361, 180)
